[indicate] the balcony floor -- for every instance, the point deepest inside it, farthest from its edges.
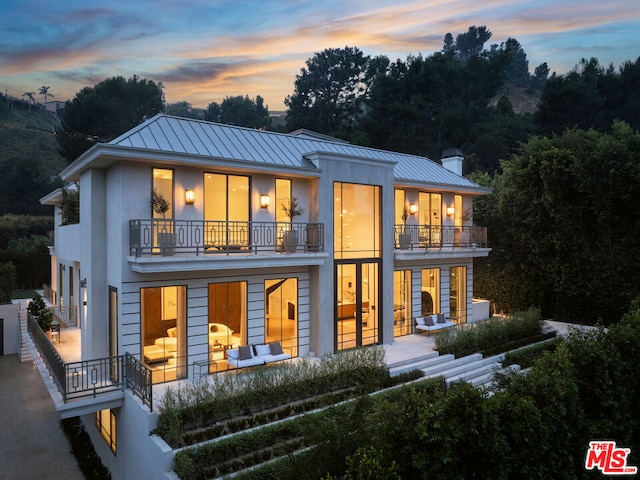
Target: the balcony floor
(69, 346)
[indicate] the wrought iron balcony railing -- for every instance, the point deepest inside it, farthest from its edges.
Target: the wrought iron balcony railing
(196, 237)
(439, 236)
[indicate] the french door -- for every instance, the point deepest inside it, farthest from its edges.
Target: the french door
(357, 303)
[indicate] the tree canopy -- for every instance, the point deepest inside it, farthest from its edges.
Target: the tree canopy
(329, 93)
(563, 224)
(240, 111)
(105, 111)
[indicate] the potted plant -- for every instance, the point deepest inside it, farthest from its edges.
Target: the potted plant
(404, 238)
(166, 239)
(290, 236)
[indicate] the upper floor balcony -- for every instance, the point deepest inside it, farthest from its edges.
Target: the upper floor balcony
(168, 241)
(438, 238)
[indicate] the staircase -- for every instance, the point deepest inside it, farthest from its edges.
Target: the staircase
(24, 354)
(473, 369)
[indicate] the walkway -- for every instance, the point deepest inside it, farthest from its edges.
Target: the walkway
(32, 444)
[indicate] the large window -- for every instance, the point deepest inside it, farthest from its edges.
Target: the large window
(356, 220)
(430, 208)
(164, 336)
(281, 312)
(402, 302)
(458, 294)
(283, 197)
(106, 425)
(430, 291)
(163, 185)
(227, 318)
(226, 206)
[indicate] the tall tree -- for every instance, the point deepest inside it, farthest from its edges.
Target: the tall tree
(105, 111)
(44, 91)
(330, 91)
(568, 212)
(471, 43)
(240, 111)
(31, 97)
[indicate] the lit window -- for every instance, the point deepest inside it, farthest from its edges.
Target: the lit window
(106, 425)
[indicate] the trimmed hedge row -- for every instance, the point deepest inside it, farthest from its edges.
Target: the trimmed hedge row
(482, 336)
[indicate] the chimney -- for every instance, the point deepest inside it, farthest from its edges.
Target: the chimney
(452, 160)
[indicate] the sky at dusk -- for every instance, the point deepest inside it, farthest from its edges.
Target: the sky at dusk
(205, 50)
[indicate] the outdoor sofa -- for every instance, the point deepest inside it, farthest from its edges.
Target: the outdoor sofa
(431, 323)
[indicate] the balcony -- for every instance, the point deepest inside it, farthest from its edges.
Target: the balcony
(204, 237)
(439, 237)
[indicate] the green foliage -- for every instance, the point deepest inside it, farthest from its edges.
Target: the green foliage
(105, 111)
(590, 96)
(330, 91)
(38, 309)
(560, 235)
(82, 449)
(7, 281)
(240, 111)
(71, 206)
(24, 242)
(202, 405)
(470, 338)
(525, 357)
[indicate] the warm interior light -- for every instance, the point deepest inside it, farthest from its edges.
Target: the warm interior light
(451, 211)
(413, 209)
(189, 197)
(265, 201)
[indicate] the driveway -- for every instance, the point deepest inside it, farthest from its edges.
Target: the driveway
(32, 444)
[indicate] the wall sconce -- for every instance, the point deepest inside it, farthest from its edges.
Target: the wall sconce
(451, 211)
(413, 209)
(265, 201)
(83, 283)
(189, 197)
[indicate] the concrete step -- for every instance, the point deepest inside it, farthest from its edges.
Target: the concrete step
(433, 360)
(477, 376)
(468, 367)
(451, 363)
(409, 364)
(489, 381)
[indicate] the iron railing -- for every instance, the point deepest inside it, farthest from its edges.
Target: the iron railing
(66, 315)
(50, 294)
(439, 236)
(196, 237)
(89, 378)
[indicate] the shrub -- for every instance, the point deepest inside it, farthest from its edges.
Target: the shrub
(470, 338)
(7, 281)
(38, 309)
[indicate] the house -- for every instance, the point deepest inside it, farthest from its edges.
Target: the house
(377, 238)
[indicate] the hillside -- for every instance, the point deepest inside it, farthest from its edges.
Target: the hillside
(522, 100)
(29, 160)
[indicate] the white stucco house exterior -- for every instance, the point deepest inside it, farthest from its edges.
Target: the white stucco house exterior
(380, 238)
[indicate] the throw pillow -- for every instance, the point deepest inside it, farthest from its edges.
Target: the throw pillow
(276, 348)
(245, 352)
(428, 321)
(262, 350)
(420, 320)
(441, 318)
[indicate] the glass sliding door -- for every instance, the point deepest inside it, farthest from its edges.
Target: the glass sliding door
(226, 210)
(227, 318)
(402, 323)
(281, 313)
(458, 294)
(430, 291)
(162, 185)
(164, 332)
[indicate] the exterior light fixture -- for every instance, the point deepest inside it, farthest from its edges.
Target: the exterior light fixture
(451, 211)
(265, 201)
(413, 209)
(189, 197)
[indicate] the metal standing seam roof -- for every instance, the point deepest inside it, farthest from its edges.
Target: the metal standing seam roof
(197, 137)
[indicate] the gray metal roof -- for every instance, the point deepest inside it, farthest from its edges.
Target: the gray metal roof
(195, 137)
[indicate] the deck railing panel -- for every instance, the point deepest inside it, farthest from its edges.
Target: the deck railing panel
(439, 236)
(200, 237)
